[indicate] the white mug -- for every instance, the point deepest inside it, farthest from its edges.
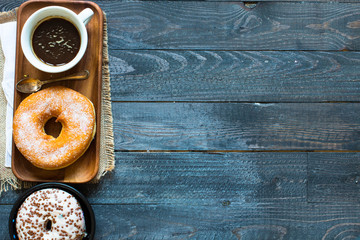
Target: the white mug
(78, 20)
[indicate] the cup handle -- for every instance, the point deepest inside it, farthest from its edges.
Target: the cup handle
(86, 15)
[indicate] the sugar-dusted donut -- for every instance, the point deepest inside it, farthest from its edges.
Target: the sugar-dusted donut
(50, 214)
(73, 110)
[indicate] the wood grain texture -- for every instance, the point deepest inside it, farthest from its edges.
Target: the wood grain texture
(236, 126)
(246, 221)
(7, 5)
(227, 25)
(198, 179)
(255, 76)
(211, 196)
(211, 179)
(334, 177)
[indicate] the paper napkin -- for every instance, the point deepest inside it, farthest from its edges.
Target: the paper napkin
(8, 45)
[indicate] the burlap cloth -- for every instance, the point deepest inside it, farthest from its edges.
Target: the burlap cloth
(107, 159)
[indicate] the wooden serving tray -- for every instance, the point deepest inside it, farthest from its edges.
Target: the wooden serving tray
(86, 167)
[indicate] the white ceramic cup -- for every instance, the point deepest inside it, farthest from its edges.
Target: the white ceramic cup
(79, 20)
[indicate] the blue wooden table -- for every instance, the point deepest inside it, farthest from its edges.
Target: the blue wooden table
(232, 120)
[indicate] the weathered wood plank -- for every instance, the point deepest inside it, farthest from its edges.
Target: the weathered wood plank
(244, 221)
(198, 178)
(227, 25)
(241, 208)
(334, 177)
(275, 76)
(230, 25)
(236, 126)
(7, 5)
(203, 178)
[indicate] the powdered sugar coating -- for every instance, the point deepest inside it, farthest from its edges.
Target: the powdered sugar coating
(55, 205)
(73, 110)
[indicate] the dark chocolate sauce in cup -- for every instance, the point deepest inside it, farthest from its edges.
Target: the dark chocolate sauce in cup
(56, 41)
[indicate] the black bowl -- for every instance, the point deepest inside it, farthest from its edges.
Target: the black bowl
(88, 212)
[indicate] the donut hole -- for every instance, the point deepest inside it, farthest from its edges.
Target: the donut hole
(48, 225)
(52, 127)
